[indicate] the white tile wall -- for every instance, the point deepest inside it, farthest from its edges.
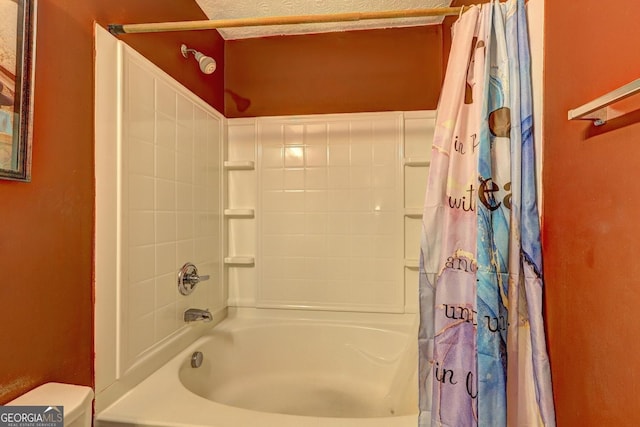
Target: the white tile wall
(418, 134)
(331, 196)
(171, 187)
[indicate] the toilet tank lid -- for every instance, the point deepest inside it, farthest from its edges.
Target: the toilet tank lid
(75, 398)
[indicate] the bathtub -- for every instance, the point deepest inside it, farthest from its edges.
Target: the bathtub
(284, 368)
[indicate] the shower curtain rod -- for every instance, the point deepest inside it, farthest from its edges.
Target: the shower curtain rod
(280, 20)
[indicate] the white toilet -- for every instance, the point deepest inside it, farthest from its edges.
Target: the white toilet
(76, 400)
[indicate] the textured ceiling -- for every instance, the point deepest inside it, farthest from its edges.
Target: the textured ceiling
(233, 9)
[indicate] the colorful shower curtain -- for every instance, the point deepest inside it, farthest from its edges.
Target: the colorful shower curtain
(483, 359)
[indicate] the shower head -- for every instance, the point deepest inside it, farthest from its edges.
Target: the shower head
(207, 63)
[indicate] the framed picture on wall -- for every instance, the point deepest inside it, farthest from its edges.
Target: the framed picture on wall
(17, 55)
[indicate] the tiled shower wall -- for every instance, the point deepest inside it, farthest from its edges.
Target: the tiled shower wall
(171, 197)
(158, 206)
(323, 212)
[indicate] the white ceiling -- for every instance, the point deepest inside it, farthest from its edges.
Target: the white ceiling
(232, 9)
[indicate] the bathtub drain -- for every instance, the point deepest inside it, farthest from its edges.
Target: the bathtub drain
(196, 359)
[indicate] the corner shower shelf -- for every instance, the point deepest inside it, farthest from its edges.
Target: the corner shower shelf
(599, 111)
(413, 213)
(239, 213)
(239, 260)
(413, 264)
(416, 161)
(239, 165)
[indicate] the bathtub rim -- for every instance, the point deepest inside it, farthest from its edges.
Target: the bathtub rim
(402, 321)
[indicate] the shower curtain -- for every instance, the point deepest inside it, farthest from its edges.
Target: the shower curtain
(483, 358)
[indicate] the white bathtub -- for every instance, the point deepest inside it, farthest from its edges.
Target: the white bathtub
(284, 368)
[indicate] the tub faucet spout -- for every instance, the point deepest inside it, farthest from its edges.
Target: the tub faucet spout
(194, 314)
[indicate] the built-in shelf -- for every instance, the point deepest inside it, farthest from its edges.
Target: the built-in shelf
(416, 161)
(239, 165)
(413, 264)
(599, 111)
(239, 213)
(413, 212)
(239, 260)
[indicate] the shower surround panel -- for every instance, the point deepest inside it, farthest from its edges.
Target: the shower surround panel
(158, 206)
(330, 203)
(171, 163)
(330, 197)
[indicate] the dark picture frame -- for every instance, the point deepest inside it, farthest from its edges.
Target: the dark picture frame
(17, 60)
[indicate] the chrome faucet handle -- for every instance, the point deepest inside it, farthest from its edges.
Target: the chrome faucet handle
(194, 278)
(188, 278)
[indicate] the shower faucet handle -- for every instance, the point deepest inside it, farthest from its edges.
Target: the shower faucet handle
(194, 279)
(188, 278)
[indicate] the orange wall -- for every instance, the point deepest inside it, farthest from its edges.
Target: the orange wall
(46, 226)
(355, 71)
(591, 225)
